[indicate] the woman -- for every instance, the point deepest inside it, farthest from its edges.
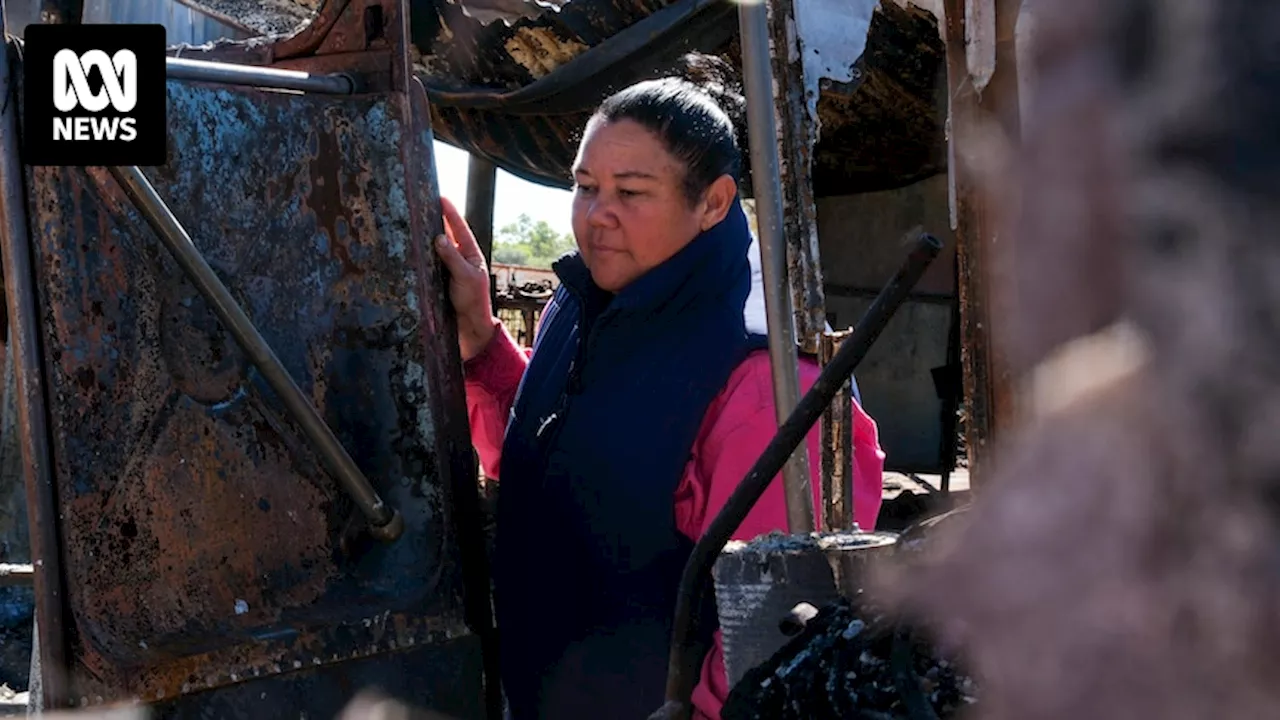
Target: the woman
(644, 402)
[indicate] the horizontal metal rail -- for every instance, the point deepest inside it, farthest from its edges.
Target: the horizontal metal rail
(17, 575)
(684, 667)
(271, 78)
(386, 523)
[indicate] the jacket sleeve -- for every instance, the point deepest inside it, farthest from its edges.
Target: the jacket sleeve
(738, 426)
(491, 380)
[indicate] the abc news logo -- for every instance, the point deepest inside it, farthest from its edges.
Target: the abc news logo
(71, 91)
(94, 95)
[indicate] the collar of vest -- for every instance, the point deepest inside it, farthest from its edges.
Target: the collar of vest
(710, 264)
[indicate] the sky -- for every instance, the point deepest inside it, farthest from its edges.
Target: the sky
(512, 196)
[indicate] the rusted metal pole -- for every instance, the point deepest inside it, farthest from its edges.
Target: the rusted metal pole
(482, 180)
(482, 183)
(24, 338)
(259, 77)
(766, 181)
(386, 523)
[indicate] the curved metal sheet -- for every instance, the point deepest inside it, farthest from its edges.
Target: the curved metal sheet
(884, 130)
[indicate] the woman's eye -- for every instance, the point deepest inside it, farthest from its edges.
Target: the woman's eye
(585, 189)
(628, 193)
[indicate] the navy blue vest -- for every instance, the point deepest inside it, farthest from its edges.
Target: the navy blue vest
(588, 556)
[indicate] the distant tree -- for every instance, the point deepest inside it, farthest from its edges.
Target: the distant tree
(525, 242)
(510, 254)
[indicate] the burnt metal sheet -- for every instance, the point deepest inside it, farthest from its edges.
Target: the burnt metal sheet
(883, 130)
(204, 545)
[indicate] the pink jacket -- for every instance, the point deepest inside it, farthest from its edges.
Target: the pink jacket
(738, 425)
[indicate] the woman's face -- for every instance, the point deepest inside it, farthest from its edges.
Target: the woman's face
(630, 213)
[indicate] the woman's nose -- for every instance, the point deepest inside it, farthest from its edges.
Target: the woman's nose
(601, 213)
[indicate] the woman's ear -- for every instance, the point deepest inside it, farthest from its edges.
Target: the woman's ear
(717, 201)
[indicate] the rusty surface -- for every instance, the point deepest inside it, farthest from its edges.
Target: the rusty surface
(32, 415)
(796, 138)
(885, 132)
(204, 545)
(881, 131)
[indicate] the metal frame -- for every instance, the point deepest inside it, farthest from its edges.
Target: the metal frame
(262, 78)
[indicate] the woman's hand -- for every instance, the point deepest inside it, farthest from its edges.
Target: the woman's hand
(468, 282)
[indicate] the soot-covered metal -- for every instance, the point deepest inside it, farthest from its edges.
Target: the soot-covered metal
(883, 130)
(204, 544)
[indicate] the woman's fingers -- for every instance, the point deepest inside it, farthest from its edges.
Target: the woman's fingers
(461, 233)
(459, 267)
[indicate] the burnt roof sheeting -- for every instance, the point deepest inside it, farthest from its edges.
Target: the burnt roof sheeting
(515, 95)
(508, 11)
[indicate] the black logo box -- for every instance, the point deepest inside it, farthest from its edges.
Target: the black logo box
(148, 145)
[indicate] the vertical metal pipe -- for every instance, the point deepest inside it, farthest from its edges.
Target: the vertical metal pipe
(482, 180)
(766, 181)
(37, 461)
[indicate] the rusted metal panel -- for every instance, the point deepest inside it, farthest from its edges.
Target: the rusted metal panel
(205, 547)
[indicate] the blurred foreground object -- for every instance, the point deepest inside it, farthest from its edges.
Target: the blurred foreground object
(374, 706)
(1122, 560)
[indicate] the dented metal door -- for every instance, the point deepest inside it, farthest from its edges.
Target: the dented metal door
(209, 563)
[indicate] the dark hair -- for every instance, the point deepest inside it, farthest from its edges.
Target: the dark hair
(694, 116)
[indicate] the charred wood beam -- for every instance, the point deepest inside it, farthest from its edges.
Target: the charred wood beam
(837, 446)
(796, 140)
(982, 82)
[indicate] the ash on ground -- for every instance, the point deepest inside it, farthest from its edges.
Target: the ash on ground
(852, 662)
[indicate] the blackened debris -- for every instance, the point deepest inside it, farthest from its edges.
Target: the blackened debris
(842, 666)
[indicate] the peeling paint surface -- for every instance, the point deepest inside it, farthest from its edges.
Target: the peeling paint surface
(204, 543)
(831, 37)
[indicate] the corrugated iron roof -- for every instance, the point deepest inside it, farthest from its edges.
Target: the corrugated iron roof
(515, 95)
